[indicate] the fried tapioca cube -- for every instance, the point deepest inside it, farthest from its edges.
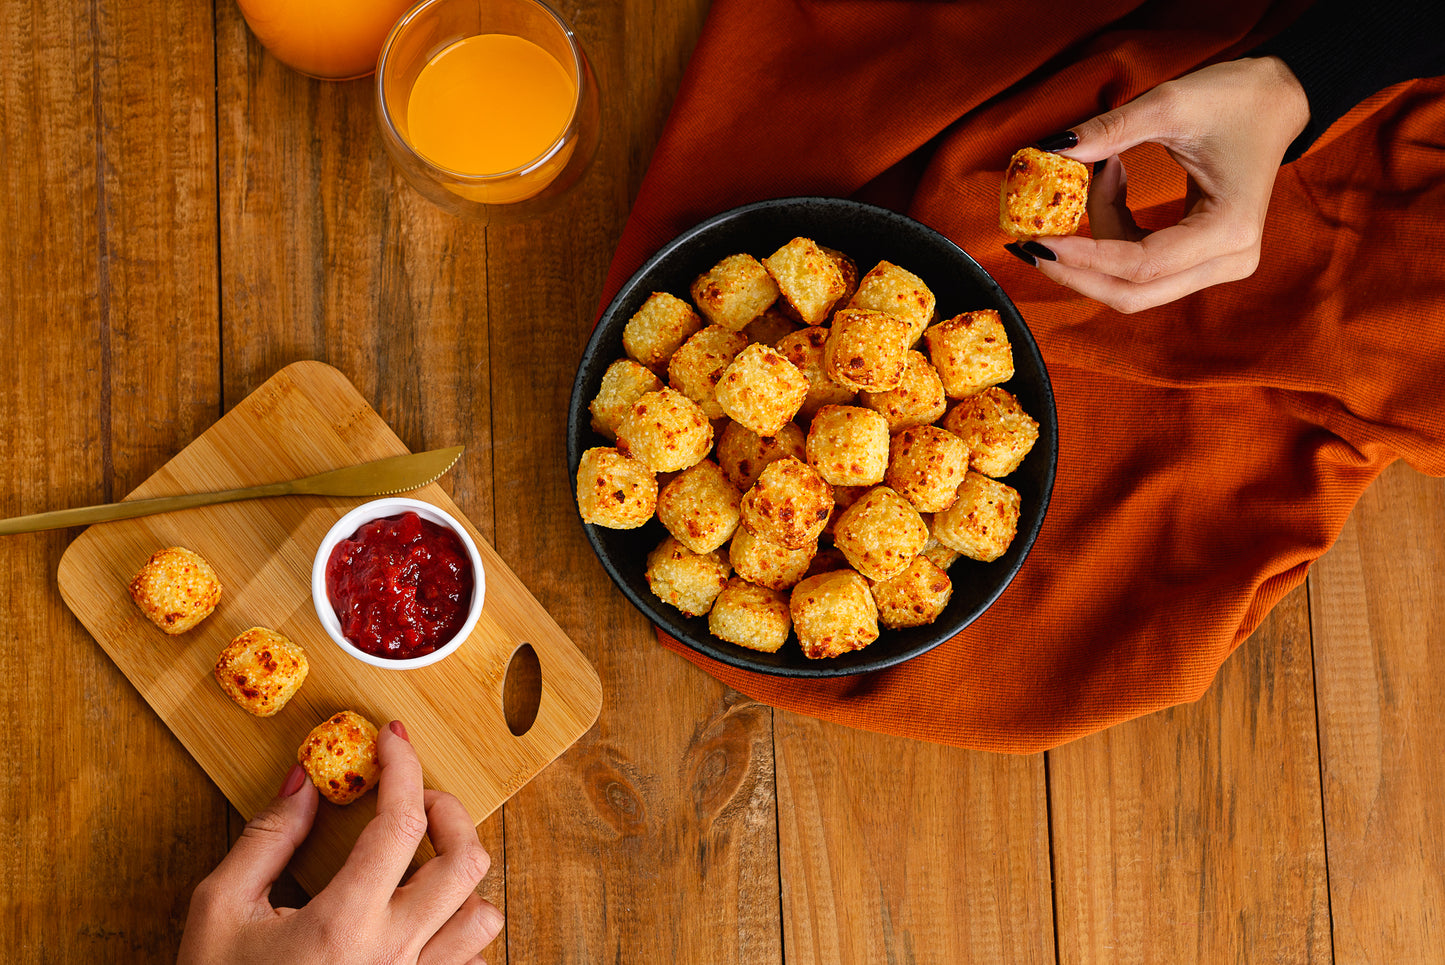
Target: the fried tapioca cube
(809, 280)
(918, 400)
(849, 270)
(751, 616)
(734, 292)
(804, 348)
(696, 367)
(683, 579)
(770, 327)
(624, 382)
(176, 589)
(261, 670)
(658, 329)
(1042, 194)
(665, 431)
(996, 429)
(914, 598)
(866, 350)
(339, 755)
(833, 614)
(848, 445)
(613, 490)
(743, 454)
(971, 352)
(982, 521)
(899, 292)
(766, 563)
(925, 466)
(700, 507)
(789, 504)
(880, 533)
(761, 390)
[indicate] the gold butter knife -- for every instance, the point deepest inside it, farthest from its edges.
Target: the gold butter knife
(383, 477)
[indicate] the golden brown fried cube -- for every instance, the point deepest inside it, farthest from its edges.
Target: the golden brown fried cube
(828, 559)
(809, 280)
(1042, 194)
(696, 367)
(665, 431)
(982, 521)
(939, 555)
(848, 445)
(925, 466)
(658, 329)
(833, 614)
(340, 756)
(843, 497)
(624, 382)
(700, 507)
(743, 454)
(761, 390)
(260, 670)
(849, 269)
(899, 292)
(866, 350)
(917, 401)
(971, 352)
(176, 589)
(684, 579)
(789, 504)
(751, 616)
(914, 598)
(996, 429)
(767, 563)
(880, 533)
(769, 327)
(613, 490)
(737, 290)
(804, 348)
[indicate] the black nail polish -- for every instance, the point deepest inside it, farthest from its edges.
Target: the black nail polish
(1023, 256)
(1039, 251)
(1099, 166)
(1061, 141)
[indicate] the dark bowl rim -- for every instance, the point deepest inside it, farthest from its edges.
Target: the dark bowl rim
(740, 657)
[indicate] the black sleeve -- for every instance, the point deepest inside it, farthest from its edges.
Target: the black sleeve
(1342, 52)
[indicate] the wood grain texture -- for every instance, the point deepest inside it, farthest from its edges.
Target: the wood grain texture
(108, 190)
(305, 419)
(1378, 607)
(1195, 834)
(893, 850)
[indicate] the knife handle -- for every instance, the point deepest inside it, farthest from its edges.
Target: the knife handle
(131, 508)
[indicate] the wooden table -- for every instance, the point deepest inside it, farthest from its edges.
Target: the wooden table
(181, 216)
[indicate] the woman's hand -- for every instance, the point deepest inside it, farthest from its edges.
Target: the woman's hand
(1228, 126)
(362, 916)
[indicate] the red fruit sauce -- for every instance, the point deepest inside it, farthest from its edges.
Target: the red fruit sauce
(401, 586)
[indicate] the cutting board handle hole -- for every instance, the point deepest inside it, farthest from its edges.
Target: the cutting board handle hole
(522, 690)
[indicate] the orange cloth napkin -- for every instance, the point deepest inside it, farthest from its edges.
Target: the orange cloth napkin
(1210, 450)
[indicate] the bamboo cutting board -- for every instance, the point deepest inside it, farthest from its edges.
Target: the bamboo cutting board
(308, 418)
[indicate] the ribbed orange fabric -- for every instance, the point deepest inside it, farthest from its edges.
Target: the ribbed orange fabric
(1209, 449)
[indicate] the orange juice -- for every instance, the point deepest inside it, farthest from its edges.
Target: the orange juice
(491, 104)
(330, 39)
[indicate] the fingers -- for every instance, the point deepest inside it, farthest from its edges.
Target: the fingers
(473, 927)
(389, 841)
(1109, 214)
(1149, 117)
(267, 842)
(442, 884)
(1130, 296)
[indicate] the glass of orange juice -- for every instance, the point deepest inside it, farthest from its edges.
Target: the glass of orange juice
(326, 39)
(488, 107)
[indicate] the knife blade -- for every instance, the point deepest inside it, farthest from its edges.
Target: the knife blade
(384, 477)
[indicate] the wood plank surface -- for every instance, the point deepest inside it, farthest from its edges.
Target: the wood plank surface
(1379, 620)
(174, 233)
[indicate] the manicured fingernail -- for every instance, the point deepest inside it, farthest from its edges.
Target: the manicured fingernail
(1039, 251)
(1023, 256)
(1061, 141)
(399, 729)
(294, 779)
(1099, 166)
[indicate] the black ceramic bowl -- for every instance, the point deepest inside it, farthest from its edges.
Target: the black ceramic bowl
(868, 234)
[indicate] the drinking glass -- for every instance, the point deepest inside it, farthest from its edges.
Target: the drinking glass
(530, 183)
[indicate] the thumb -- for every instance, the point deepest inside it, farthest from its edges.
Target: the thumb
(1146, 118)
(269, 839)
